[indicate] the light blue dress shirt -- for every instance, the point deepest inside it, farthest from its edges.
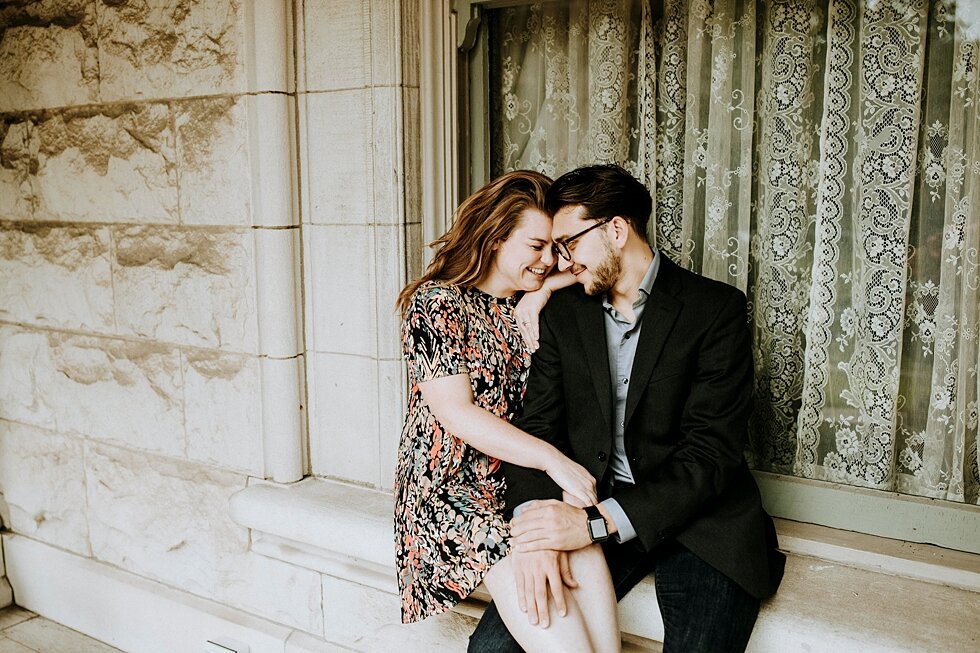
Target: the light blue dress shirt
(621, 338)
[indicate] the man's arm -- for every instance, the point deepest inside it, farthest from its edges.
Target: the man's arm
(543, 417)
(541, 573)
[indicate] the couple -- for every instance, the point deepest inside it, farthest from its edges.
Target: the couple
(621, 445)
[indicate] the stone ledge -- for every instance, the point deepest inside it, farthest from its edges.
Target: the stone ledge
(842, 591)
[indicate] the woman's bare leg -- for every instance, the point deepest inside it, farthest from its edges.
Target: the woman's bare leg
(591, 622)
(566, 634)
(596, 598)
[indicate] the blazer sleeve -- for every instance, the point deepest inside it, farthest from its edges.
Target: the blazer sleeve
(709, 456)
(543, 416)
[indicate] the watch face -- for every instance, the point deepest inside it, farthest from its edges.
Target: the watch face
(597, 528)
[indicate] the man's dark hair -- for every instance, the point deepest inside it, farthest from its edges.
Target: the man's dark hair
(604, 191)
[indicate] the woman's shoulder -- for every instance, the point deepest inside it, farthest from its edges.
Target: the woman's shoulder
(436, 295)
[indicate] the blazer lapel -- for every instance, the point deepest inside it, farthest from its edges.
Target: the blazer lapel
(593, 331)
(662, 309)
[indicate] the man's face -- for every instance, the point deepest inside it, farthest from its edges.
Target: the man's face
(595, 261)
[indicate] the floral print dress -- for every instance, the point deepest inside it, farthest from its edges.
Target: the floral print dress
(449, 523)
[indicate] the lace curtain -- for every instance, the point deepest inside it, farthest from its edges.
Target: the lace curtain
(823, 156)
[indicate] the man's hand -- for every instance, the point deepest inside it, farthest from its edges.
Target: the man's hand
(536, 574)
(550, 525)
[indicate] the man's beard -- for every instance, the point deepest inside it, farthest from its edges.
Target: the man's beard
(606, 274)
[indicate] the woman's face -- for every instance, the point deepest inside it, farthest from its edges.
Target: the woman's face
(525, 258)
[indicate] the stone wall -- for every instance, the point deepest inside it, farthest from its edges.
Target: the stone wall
(359, 122)
(133, 193)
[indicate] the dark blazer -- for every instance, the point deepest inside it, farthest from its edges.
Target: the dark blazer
(687, 412)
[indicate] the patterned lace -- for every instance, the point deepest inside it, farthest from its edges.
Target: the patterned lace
(822, 155)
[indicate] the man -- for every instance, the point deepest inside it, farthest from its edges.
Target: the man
(643, 376)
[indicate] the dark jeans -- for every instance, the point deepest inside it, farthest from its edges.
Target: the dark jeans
(703, 610)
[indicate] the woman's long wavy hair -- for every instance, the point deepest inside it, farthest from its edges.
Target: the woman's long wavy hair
(484, 219)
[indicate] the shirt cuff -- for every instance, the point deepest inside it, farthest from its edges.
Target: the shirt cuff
(624, 527)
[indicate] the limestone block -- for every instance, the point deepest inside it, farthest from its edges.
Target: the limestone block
(342, 271)
(409, 48)
(390, 274)
(388, 170)
(212, 154)
(345, 443)
(191, 286)
(117, 390)
(174, 48)
(412, 146)
(48, 54)
(369, 620)
(337, 130)
(55, 275)
(113, 163)
(392, 381)
(18, 160)
(386, 42)
(222, 406)
(337, 44)
(42, 485)
(168, 520)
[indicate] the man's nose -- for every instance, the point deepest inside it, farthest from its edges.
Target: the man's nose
(563, 264)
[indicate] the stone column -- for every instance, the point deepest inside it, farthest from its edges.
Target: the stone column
(358, 102)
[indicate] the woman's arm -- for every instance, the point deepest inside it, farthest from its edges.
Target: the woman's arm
(450, 399)
(532, 303)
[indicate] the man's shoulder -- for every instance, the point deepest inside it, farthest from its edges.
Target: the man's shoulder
(695, 285)
(568, 299)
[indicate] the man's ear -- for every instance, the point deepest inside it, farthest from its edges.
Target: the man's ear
(621, 230)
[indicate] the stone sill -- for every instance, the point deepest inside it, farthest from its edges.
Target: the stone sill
(841, 589)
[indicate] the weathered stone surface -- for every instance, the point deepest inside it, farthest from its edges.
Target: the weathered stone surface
(42, 486)
(367, 619)
(337, 44)
(55, 275)
(117, 390)
(342, 273)
(107, 164)
(48, 54)
(339, 145)
(222, 399)
(168, 520)
(345, 401)
(192, 286)
(392, 381)
(212, 151)
(18, 162)
(389, 252)
(173, 48)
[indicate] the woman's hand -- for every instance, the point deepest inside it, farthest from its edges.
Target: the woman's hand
(573, 501)
(576, 482)
(527, 311)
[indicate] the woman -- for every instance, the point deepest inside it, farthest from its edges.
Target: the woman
(467, 366)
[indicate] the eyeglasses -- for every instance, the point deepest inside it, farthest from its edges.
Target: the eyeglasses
(561, 246)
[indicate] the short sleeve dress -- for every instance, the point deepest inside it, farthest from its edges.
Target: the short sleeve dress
(449, 523)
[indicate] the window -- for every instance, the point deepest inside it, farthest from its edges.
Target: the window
(821, 155)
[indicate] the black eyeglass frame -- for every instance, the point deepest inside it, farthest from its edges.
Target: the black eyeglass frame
(560, 247)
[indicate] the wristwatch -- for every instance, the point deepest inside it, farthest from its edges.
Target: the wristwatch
(598, 530)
